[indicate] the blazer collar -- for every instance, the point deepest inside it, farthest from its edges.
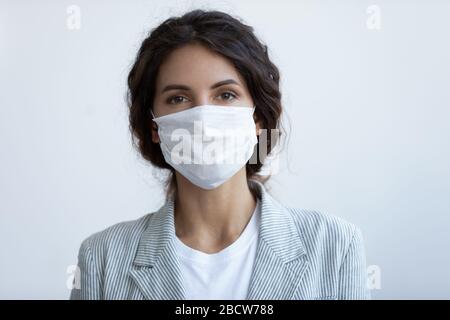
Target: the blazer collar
(279, 266)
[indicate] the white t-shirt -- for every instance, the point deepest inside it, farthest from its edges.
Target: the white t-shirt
(224, 274)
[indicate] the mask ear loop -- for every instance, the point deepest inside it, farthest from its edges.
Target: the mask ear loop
(153, 115)
(153, 119)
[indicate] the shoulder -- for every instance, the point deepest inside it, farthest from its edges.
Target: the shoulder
(323, 232)
(105, 255)
(335, 249)
(120, 237)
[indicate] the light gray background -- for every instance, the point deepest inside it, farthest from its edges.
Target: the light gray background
(369, 115)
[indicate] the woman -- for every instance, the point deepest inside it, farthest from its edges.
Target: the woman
(201, 92)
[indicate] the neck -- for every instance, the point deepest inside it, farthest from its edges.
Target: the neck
(210, 220)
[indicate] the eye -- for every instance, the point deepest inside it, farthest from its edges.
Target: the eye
(228, 96)
(175, 99)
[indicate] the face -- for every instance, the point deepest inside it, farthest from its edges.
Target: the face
(194, 75)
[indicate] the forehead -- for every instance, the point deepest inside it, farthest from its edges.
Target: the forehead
(194, 64)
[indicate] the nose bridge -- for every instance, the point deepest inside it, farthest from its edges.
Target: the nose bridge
(202, 96)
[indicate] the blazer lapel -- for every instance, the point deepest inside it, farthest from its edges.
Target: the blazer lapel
(280, 263)
(156, 268)
(281, 260)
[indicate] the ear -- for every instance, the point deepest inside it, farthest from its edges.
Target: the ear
(258, 125)
(155, 136)
(258, 128)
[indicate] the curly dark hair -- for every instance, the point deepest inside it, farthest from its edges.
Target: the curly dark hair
(223, 34)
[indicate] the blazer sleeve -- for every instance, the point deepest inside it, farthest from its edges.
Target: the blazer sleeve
(89, 285)
(352, 273)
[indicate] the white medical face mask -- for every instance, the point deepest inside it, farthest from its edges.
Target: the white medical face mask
(208, 144)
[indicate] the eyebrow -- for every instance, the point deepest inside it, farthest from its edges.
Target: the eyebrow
(183, 87)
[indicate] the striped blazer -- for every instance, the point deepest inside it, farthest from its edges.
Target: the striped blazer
(302, 254)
